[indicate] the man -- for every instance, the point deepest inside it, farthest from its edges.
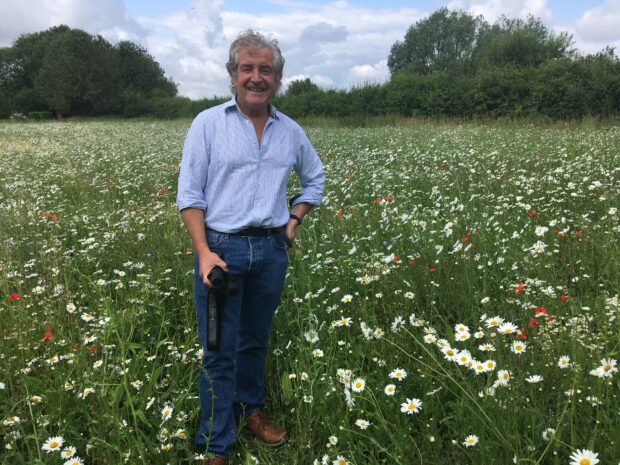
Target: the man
(237, 159)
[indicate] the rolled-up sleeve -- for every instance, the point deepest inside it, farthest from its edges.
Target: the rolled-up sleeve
(194, 168)
(311, 175)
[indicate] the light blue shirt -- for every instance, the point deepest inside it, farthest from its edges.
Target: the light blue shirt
(236, 181)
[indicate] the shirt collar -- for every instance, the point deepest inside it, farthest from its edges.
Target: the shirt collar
(232, 103)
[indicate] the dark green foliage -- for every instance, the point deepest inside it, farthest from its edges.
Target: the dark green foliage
(40, 115)
(442, 42)
(68, 71)
(450, 64)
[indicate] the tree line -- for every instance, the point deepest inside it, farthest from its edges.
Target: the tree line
(449, 64)
(458, 65)
(68, 71)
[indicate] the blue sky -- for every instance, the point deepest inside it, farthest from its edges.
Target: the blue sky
(336, 43)
(562, 10)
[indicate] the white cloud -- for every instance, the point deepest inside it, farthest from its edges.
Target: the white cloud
(335, 44)
(106, 17)
(600, 25)
(492, 10)
(378, 72)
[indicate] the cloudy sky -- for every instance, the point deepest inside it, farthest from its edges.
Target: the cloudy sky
(336, 43)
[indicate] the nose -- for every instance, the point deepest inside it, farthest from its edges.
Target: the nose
(255, 74)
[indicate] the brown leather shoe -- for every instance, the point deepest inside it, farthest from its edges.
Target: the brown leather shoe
(214, 461)
(260, 426)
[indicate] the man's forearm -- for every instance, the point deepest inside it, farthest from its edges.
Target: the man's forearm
(194, 220)
(301, 209)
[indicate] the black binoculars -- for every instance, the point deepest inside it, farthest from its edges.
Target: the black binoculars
(222, 284)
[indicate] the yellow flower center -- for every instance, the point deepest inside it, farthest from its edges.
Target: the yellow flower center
(605, 368)
(54, 445)
(584, 461)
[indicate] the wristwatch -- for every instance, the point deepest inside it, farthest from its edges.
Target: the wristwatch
(295, 217)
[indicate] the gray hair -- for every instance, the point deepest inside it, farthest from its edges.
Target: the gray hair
(252, 40)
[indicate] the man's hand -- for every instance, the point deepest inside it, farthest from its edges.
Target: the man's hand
(207, 260)
(289, 231)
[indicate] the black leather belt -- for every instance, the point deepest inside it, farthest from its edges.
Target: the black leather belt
(253, 231)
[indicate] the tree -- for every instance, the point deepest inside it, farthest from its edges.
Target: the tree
(521, 43)
(139, 73)
(79, 73)
(443, 41)
(301, 87)
(70, 71)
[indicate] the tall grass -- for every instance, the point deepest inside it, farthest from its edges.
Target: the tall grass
(430, 235)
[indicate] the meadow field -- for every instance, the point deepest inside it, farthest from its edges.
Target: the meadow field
(454, 300)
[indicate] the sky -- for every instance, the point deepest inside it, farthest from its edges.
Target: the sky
(336, 43)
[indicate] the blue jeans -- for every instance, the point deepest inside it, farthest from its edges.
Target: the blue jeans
(232, 382)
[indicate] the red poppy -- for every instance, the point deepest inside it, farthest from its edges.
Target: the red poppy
(386, 199)
(521, 335)
(92, 349)
(432, 270)
(13, 297)
(541, 311)
(50, 216)
(563, 298)
(532, 213)
(395, 259)
(162, 191)
(519, 288)
(47, 335)
(533, 322)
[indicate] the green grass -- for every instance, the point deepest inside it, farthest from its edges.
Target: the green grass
(425, 225)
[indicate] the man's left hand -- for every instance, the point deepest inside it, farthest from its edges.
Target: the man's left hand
(289, 231)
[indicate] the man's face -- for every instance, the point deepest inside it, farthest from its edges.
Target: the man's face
(255, 80)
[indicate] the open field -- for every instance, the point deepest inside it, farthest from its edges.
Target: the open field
(455, 299)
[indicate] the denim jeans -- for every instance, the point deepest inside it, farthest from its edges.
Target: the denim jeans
(232, 381)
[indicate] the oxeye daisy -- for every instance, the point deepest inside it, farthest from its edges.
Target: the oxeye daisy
(449, 353)
(411, 406)
(584, 457)
(53, 444)
(398, 374)
(362, 424)
(494, 322)
(430, 338)
(486, 347)
(340, 460)
(166, 412)
(68, 452)
(478, 367)
(389, 390)
(607, 368)
(358, 385)
(507, 328)
(74, 461)
(318, 353)
(534, 379)
(470, 441)
(518, 347)
(564, 361)
(490, 365)
(503, 377)
(463, 358)
(460, 328)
